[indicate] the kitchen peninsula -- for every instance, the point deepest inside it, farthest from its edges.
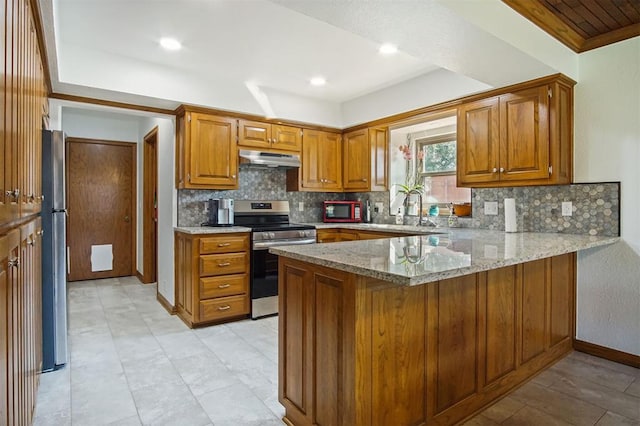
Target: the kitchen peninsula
(424, 329)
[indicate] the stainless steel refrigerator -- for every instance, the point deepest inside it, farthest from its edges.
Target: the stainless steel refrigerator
(54, 250)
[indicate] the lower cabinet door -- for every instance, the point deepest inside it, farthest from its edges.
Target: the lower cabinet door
(224, 307)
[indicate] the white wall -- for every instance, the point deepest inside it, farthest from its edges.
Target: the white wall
(167, 202)
(607, 148)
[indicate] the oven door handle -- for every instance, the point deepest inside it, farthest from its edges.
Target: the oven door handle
(264, 245)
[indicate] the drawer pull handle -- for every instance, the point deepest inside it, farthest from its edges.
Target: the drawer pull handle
(224, 244)
(224, 286)
(224, 308)
(221, 265)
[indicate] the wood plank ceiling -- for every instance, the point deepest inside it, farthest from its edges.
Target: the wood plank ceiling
(583, 24)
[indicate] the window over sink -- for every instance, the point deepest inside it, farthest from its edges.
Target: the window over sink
(423, 158)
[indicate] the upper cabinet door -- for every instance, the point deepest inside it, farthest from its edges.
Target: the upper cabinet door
(254, 134)
(524, 134)
(286, 138)
(379, 146)
(356, 161)
(214, 157)
(331, 160)
(478, 142)
(311, 160)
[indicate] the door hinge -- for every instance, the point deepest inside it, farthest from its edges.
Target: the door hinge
(550, 170)
(550, 92)
(189, 117)
(301, 132)
(189, 177)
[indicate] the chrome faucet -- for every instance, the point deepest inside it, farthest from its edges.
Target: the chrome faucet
(422, 221)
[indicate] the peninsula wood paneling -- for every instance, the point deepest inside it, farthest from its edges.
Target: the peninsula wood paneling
(562, 270)
(398, 318)
(456, 331)
(534, 309)
(501, 323)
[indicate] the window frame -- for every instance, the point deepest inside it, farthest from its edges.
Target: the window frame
(433, 140)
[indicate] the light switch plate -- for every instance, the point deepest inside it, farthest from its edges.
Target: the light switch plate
(491, 208)
(567, 208)
(301, 206)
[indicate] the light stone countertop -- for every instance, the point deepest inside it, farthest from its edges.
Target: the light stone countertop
(421, 259)
(381, 227)
(211, 229)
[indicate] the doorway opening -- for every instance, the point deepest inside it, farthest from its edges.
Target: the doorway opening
(150, 208)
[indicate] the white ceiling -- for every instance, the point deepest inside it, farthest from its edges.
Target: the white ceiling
(257, 56)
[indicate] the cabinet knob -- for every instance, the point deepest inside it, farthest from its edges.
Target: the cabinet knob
(364, 179)
(233, 176)
(14, 263)
(501, 169)
(495, 169)
(31, 243)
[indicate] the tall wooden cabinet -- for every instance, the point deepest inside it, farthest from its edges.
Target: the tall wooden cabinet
(23, 102)
(522, 137)
(321, 168)
(365, 160)
(206, 152)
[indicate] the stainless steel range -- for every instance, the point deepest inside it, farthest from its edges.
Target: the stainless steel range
(270, 227)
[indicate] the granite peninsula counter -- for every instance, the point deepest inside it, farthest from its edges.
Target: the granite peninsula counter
(423, 329)
(439, 254)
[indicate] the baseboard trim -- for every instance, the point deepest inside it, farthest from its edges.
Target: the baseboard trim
(165, 304)
(140, 277)
(607, 353)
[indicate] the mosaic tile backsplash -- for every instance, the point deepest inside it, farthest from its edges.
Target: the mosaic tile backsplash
(596, 206)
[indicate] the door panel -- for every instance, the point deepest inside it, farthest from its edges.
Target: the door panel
(101, 195)
(286, 138)
(254, 134)
(331, 160)
(478, 141)
(356, 160)
(524, 123)
(214, 156)
(311, 160)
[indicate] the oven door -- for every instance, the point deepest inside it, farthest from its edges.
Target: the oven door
(264, 277)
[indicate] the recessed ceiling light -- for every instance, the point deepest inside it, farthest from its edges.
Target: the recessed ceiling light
(388, 49)
(170, 43)
(318, 81)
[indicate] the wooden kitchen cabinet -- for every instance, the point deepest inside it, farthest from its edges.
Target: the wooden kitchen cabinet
(256, 134)
(356, 161)
(212, 277)
(206, 151)
(365, 160)
(321, 168)
(334, 235)
(24, 96)
(523, 137)
(433, 353)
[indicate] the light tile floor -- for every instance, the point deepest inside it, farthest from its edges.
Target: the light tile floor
(132, 363)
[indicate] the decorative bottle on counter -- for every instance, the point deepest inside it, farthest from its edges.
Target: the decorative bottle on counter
(399, 217)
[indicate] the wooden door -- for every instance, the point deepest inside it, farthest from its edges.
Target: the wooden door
(478, 142)
(254, 134)
(356, 161)
(379, 146)
(331, 161)
(101, 189)
(150, 206)
(5, 272)
(286, 138)
(12, 251)
(214, 155)
(311, 160)
(524, 134)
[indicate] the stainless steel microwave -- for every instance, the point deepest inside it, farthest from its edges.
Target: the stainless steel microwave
(342, 211)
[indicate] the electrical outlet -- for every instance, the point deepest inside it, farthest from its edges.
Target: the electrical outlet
(301, 206)
(206, 207)
(491, 208)
(567, 208)
(378, 207)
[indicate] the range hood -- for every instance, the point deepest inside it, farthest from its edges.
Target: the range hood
(269, 159)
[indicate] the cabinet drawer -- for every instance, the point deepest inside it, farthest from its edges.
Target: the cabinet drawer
(224, 307)
(223, 264)
(225, 285)
(224, 244)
